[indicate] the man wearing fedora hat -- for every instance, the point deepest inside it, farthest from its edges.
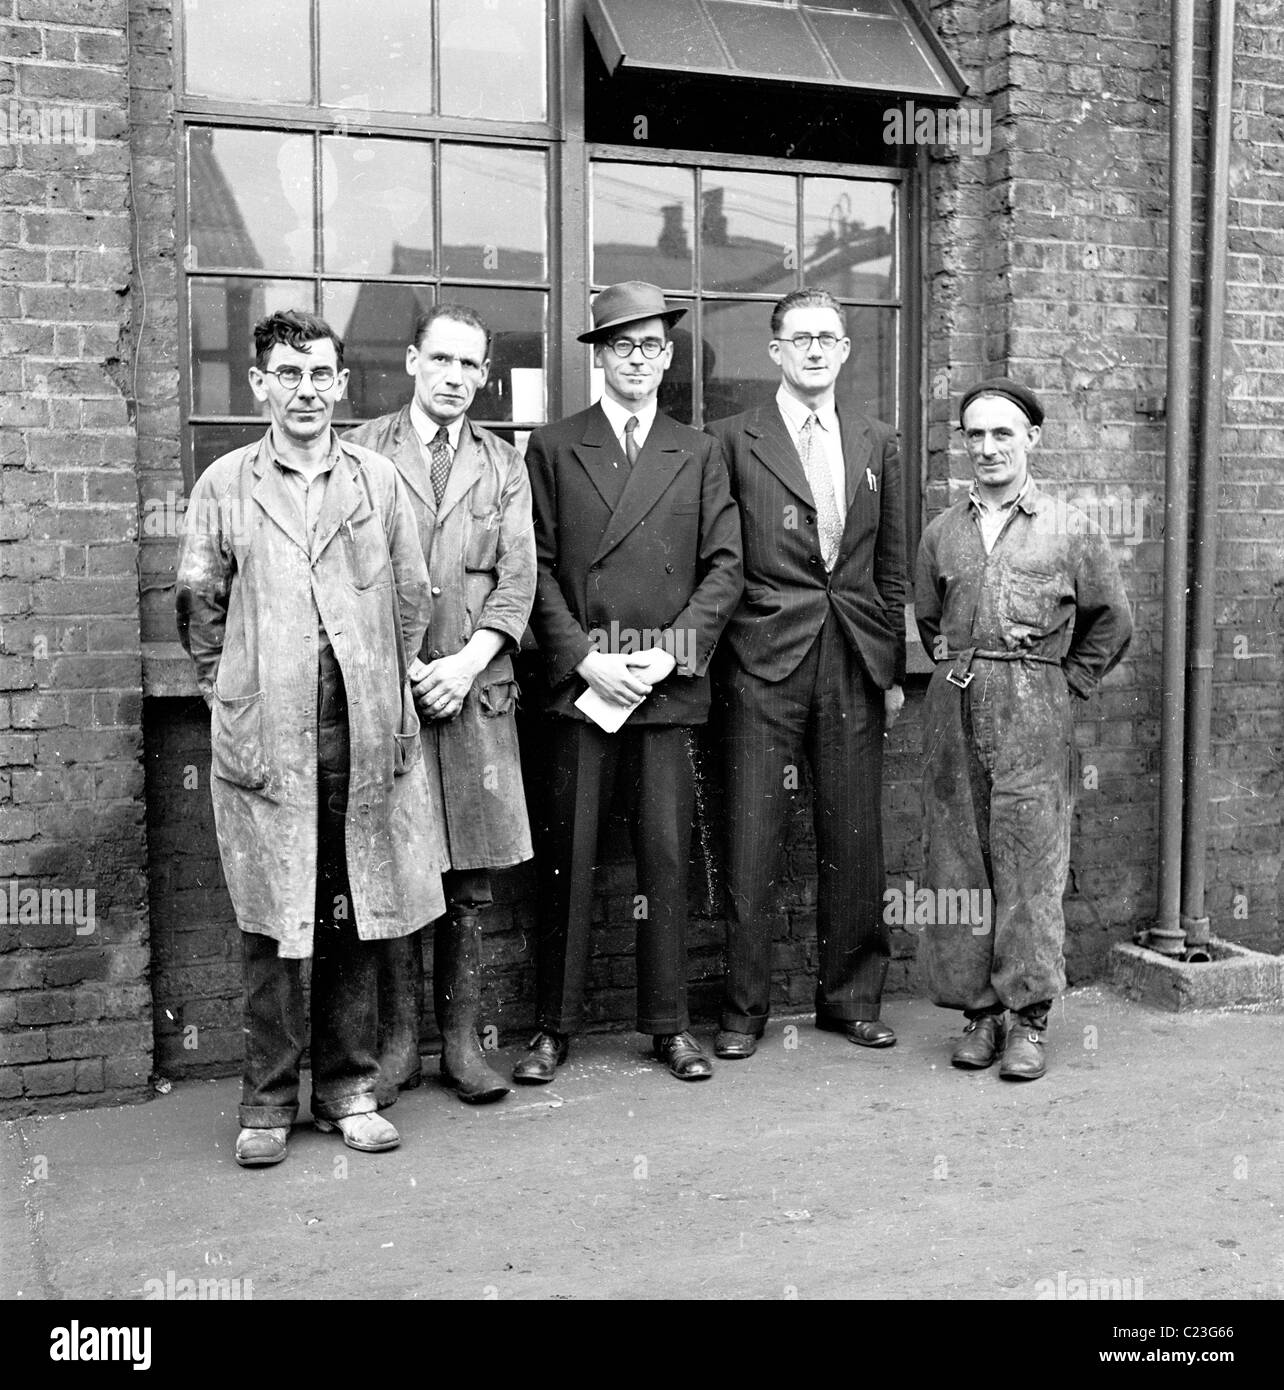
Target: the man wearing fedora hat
(637, 544)
(1020, 604)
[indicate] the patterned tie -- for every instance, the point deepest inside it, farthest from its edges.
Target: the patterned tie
(439, 451)
(821, 483)
(631, 449)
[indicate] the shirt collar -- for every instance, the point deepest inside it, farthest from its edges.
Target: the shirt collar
(796, 413)
(618, 415)
(331, 458)
(426, 427)
(1024, 499)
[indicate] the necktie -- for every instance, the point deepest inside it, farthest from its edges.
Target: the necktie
(439, 451)
(631, 449)
(822, 490)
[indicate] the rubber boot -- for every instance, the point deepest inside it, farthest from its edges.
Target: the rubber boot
(401, 1006)
(456, 987)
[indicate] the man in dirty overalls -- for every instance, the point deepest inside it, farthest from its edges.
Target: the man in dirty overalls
(1020, 603)
(473, 503)
(301, 592)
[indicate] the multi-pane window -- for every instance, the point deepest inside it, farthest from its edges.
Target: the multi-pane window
(360, 196)
(729, 243)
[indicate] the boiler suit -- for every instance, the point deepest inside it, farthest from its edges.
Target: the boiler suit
(1014, 633)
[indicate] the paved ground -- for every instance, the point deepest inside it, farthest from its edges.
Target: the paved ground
(1150, 1155)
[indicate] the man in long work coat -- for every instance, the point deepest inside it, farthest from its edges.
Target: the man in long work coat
(1020, 604)
(812, 666)
(301, 587)
(473, 503)
(638, 548)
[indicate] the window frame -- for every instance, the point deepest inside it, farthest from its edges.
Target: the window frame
(316, 121)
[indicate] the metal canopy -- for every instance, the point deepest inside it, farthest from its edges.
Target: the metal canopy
(884, 46)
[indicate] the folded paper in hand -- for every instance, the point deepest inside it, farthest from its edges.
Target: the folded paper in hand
(606, 714)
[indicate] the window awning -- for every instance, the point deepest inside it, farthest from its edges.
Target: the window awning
(883, 46)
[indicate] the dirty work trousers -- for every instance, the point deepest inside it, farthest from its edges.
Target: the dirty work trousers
(654, 764)
(344, 968)
(998, 796)
(829, 711)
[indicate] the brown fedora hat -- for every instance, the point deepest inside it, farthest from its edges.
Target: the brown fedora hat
(628, 302)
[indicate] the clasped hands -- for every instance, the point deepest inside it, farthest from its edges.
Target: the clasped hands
(441, 686)
(624, 680)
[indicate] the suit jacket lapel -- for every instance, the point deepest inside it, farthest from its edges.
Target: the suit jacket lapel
(773, 448)
(272, 493)
(464, 471)
(404, 450)
(858, 452)
(597, 450)
(343, 499)
(661, 457)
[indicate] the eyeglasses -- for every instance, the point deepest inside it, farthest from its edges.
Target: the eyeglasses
(291, 378)
(802, 341)
(651, 347)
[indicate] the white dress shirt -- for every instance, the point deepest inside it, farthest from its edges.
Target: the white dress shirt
(992, 519)
(827, 440)
(618, 416)
(426, 429)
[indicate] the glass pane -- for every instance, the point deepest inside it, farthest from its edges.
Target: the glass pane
(493, 222)
(376, 208)
(867, 382)
(769, 42)
(377, 322)
(643, 224)
(748, 232)
(222, 314)
(376, 57)
(738, 373)
(215, 40)
(249, 200)
(849, 238)
(492, 59)
(210, 442)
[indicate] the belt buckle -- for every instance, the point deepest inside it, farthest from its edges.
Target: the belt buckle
(962, 681)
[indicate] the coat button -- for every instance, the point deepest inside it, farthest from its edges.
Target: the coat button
(813, 560)
(668, 569)
(811, 521)
(436, 591)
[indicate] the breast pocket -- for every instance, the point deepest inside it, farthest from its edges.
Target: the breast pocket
(482, 549)
(366, 548)
(1031, 598)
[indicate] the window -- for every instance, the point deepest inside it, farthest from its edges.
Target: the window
(729, 242)
(337, 175)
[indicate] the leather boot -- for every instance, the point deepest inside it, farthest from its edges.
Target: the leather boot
(456, 988)
(401, 1006)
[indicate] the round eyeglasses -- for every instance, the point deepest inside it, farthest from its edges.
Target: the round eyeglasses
(802, 341)
(291, 378)
(651, 347)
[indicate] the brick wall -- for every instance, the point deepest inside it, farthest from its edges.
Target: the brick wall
(1069, 214)
(75, 1014)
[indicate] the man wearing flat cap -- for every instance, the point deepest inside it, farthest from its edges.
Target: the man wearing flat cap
(1020, 603)
(637, 544)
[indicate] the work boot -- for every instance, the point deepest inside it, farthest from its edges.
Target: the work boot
(401, 1006)
(981, 1043)
(1023, 1057)
(456, 988)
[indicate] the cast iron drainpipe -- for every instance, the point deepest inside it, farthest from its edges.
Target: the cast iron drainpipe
(1166, 936)
(1199, 661)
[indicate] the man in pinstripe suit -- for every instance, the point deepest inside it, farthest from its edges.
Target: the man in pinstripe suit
(814, 662)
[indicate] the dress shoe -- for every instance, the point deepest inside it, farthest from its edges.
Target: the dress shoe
(867, 1032)
(368, 1132)
(547, 1052)
(1023, 1058)
(257, 1148)
(682, 1055)
(735, 1046)
(981, 1043)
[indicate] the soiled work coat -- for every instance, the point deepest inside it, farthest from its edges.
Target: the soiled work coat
(480, 549)
(250, 589)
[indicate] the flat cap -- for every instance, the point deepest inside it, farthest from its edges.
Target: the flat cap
(1012, 390)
